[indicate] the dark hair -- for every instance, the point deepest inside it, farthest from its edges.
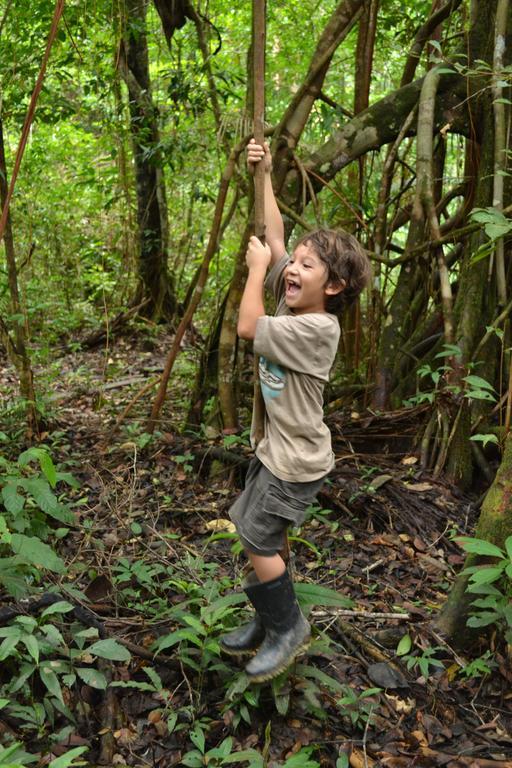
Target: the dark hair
(345, 259)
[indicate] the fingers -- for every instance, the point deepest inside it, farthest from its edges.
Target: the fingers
(255, 152)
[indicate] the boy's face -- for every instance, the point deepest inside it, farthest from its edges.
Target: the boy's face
(305, 278)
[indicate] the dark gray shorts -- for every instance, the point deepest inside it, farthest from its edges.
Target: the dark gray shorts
(268, 506)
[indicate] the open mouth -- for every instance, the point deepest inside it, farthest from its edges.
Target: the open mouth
(292, 288)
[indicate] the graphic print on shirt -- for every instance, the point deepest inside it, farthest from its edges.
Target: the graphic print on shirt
(272, 378)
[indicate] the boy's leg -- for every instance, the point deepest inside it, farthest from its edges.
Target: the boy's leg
(267, 568)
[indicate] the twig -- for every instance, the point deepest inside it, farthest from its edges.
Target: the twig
(362, 614)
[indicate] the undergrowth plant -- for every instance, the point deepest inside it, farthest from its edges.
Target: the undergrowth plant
(491, 584)
(45, 659)
(32, 511)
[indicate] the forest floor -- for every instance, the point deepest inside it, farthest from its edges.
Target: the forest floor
(153, 563)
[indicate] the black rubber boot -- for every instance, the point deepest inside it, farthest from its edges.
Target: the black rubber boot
(287, 632)
(248, 638)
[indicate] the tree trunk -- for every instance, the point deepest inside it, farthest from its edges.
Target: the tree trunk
(17, 349)
(495, 525)
(155, 285)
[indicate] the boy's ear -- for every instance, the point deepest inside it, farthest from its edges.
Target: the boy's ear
(331, 289)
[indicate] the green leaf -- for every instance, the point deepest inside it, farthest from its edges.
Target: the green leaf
(404, 646)
(508, 547)
(342, 761)
(32, 646)
(67, 477)
(479, 546)
(51, 681)
(62, 606)
(45, 462)
(482, 620)
(486, 575)
(175, 637)
(477, 381)
(109, 649)
(195, 623)
(48, 468)
(13, 501)
(154, 677)
(92, 677)
(68, 758)
(198, 739)
(8, 645)
(489, 438)
(46, 500)
(314, 594)
(33, 550)
(314, 673)
(245, 756)
(192, 759)
(449, 350)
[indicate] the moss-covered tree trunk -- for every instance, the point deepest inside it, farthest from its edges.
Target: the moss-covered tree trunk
(476, 297)
(495, 525)
(155, 284)
(475, 309)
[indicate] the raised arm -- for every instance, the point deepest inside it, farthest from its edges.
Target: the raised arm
(258, 257)
(274, 229)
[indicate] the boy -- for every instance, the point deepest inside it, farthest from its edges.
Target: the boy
(297, 347)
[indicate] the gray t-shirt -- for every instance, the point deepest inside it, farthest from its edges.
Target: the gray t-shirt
(296, 355)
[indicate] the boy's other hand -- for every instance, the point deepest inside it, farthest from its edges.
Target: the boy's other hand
(257, 255)
(255, 153)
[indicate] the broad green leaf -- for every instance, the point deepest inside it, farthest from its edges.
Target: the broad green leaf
(67, 477)
(489, 438)
(36, 552)
(477, 381)
(154, 677)
(479, 546)
(198, 739)
(25, 671)
(314, 673)
(53, 636)
(175, 637)
(32, 646)
(62, 606)
(314, 594)
(109, 649)
(133, 684)
(404, 646)
(508, 547)
(486, 575)
(482, 620)
(46, 499)
(195, 623)
(45, 462)
(507, 612)
(245, 756)
(192, 759)
(67, 759)
(449, 350)
(222, 751)
(485, 602)
(92, 677)
(48, 468)
(8, 645)
(13, 501)
(51, 681)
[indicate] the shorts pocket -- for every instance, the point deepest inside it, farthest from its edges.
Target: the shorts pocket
(276, 502)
